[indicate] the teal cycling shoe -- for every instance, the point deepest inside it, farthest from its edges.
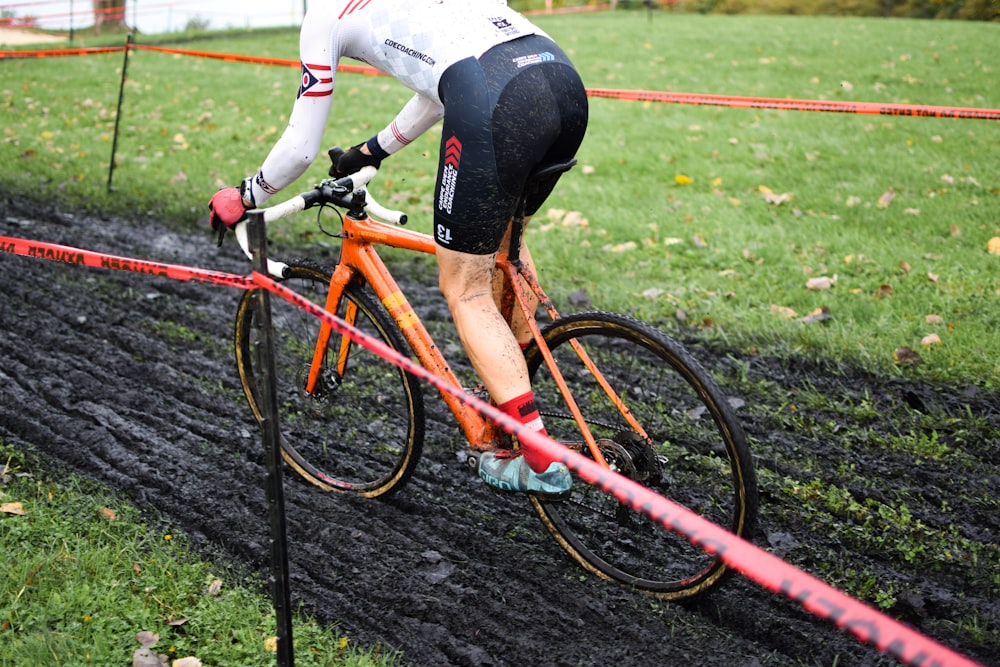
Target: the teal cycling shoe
(506, 471)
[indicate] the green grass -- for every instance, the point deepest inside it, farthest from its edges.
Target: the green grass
(84, 573)
(712, 253)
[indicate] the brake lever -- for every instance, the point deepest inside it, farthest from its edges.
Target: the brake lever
(222, 234)
(334, 154)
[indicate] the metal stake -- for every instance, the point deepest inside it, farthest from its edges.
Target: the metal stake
(279, 580)
(118, 115)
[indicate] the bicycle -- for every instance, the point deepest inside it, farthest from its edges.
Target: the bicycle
(607, 385)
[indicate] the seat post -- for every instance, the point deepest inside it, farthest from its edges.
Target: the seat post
(516, 232)
(532, 183)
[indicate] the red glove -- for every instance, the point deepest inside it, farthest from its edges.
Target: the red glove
(227, 208)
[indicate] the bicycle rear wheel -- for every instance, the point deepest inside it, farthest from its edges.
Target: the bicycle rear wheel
(361, 430)
(696, 454)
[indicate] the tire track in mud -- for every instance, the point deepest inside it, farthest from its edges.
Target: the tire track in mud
(130, 380)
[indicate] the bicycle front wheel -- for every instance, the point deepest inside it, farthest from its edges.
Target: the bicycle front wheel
(361, 428)
(694, 451)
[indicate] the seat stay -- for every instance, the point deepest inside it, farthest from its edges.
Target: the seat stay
(514, 285)
(535, 287)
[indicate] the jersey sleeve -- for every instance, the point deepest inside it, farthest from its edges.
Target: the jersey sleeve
(301, 140)
(415, 118)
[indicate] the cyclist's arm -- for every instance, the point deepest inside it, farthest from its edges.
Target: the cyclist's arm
(301, 141)
(419, 114)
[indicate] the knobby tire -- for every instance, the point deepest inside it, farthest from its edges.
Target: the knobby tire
(696, 455)
(362, 430)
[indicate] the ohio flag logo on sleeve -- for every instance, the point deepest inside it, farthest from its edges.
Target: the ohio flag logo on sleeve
(317, 81)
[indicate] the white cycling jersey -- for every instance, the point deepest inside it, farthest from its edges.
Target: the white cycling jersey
(414, 41)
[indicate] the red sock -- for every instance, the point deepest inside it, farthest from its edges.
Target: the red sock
(523, 410)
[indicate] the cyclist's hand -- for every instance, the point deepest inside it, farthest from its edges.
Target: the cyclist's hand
(227, 208)
(351, 161)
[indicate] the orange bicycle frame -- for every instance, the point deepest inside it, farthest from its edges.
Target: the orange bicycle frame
(360, 258)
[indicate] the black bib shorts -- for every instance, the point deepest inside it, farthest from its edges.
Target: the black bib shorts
(518, 106)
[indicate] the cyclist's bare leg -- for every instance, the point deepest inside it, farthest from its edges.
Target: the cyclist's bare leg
(520, 328)
(467, 283)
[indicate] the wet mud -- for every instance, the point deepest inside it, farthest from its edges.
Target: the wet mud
(130, 380)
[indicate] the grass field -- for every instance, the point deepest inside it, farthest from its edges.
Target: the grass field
(710, 217)
(705, 217)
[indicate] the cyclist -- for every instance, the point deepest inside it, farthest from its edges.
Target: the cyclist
(510, 100)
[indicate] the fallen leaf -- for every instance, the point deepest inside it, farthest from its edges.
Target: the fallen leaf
(993, 245)
(776, 199)
(699, 241)
(930, 339)
(911, 211)
(12, 508)
(886, 198)
(934, 319)
(681, 179)
(905, 356)
(783, 311)
(215, 587)
(186, 662)
(821, 283)
(955, 230)
(949, 180)
(144, 657)
(905, 267)
(271, 644)
(108, 513)
(883, 291)
(933, 277)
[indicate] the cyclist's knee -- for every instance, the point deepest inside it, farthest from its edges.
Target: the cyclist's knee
(464, 276)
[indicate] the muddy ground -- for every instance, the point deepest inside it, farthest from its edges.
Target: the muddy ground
(130, 380)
